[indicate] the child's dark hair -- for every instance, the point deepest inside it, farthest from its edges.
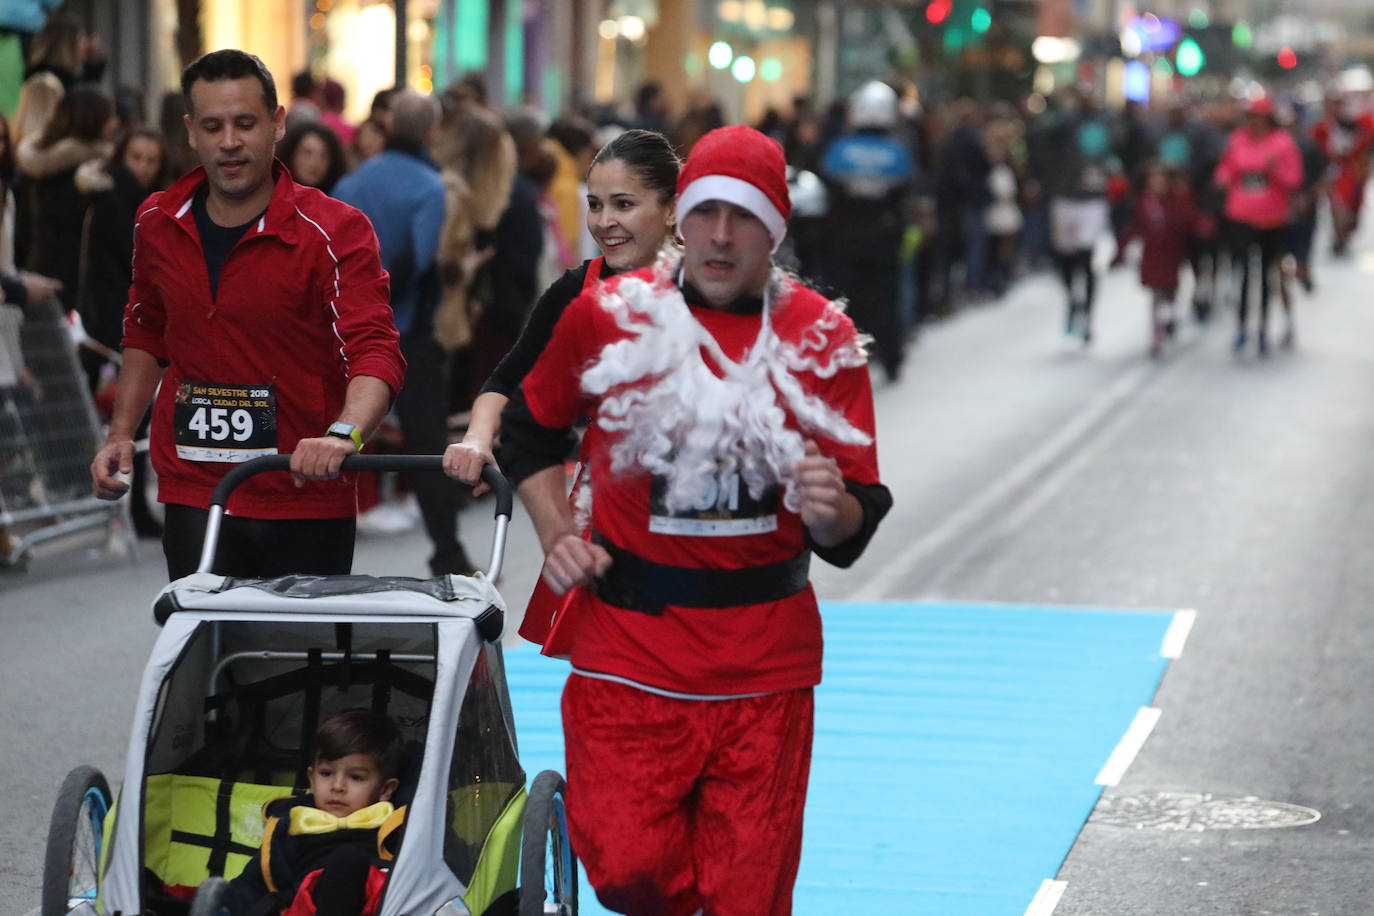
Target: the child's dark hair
(229, 64)
(360, 731)
(649, 155)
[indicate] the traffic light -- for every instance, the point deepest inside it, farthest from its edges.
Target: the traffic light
(938, 11)
(1288, 59)
(1189, 58)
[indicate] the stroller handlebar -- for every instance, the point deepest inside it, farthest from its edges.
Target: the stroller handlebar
(375, 463)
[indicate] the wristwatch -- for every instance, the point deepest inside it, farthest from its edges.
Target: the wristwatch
(346, 431)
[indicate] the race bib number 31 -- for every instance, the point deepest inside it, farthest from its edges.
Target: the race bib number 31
(229, 423)
(727, 511)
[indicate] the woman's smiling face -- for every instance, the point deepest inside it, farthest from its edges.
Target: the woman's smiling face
(628, 219)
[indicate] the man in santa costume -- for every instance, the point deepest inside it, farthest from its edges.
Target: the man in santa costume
(731, 437)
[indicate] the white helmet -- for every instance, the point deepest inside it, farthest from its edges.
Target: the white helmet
(873, 104)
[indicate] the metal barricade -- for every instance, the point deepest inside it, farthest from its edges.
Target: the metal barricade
(49, 432)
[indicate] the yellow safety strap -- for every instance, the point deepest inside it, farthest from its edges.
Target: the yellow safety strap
(389, 826)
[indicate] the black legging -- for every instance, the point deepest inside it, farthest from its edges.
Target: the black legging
(1271, 247)
(423, 414)
(1072, 263)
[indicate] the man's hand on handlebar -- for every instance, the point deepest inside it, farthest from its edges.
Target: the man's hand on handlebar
(319, 458)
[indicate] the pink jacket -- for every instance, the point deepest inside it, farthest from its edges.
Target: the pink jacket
(1259, 175)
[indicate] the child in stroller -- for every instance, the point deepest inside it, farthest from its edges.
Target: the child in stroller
(324, 852)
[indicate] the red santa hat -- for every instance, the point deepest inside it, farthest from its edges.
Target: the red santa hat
(741, 166)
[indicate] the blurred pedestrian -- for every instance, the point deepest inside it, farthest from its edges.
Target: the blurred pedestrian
(870, 178)
(702, 116)
(1135, 143)
(1163, 219)
(1195, 146)
(1346, 138)
(401, 192)
(1301, 228)
(381, 107)
(17, 288)
(20, 20)
(556, 253)
(81, 130)
(270, 295)
(573, 149)
(113, 192)
(332, 111)
(772, 125)
(651, 107)
(1081, 167)
(368, 140)
(63, 54)
(1004, 138)
(478, 164)
(802, 141)
(314, 155)
(172, 121)
(307, 101)
(1260, 170)
(471, 90)
(21, 392)
(518, 244)
(964, 170)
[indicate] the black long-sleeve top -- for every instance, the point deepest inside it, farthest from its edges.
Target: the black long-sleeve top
(534, 336)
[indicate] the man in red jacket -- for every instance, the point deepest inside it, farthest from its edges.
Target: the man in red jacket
(732, 437)
(261, 308)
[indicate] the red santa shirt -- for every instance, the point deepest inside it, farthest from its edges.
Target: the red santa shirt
(815, 385)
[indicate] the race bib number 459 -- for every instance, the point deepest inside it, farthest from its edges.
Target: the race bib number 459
(229, 423)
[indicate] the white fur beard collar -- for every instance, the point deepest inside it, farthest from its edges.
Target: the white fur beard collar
(676, 418)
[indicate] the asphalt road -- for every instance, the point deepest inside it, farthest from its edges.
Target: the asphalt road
(1025, 469)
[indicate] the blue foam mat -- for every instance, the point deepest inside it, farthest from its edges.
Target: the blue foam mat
(956, 748)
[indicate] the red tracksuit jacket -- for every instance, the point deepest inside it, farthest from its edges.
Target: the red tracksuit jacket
(303, 304)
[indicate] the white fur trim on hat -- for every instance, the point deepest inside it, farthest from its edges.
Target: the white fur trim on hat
(735, 191)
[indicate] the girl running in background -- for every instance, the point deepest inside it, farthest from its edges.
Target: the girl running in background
(1164, 220)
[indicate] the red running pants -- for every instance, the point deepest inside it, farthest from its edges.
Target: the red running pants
(676, 806)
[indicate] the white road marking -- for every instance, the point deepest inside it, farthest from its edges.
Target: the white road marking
(971, 514)
(1177, 634)
(1128, 747)
(1047, 898)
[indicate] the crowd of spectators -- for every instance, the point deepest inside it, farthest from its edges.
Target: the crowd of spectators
(987, 193)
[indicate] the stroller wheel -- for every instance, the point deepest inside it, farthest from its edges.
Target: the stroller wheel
(548, 867)
(211, 898)
(71, 867)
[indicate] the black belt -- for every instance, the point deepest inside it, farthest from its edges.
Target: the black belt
(636, 584)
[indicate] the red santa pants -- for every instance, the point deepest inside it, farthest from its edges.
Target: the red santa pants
(676, 806)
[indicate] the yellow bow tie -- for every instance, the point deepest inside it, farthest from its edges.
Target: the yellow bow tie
(305, 819)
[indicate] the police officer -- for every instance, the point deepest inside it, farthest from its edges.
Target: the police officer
(871, 176)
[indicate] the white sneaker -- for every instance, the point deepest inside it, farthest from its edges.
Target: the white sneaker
(385, 519)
